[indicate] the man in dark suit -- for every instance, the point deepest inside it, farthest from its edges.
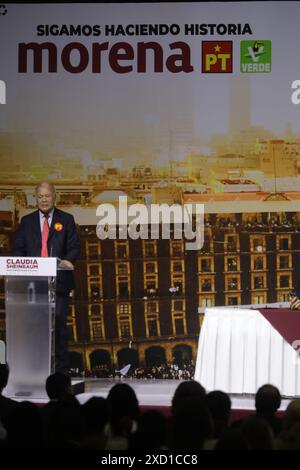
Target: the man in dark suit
(52, 232)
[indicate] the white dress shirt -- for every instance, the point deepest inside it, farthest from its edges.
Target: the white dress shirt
(42, 218)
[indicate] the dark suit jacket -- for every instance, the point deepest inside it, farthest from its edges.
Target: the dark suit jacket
(63, 244)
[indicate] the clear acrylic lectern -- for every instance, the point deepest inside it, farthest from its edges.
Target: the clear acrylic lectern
(30, 323)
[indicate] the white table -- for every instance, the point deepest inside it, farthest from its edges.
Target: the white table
(239, 351)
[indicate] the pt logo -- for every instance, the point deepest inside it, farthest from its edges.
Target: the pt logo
(2, 92)
(256, 56)
(217, 57)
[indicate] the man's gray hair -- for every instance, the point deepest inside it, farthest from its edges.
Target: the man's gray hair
(45, 183)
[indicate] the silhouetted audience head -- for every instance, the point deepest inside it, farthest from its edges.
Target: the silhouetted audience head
(232, 439)
(96, 416)
(7, 406)
(24, 430)
(187, 389)
(292, 415)
(192, 425)
(3, 436)
(267, 400)
(290, 438)
(124, 409)
(257, 433)
(58, 385)
(4, 374)
(151, 433)
(219, 405)
(65, 424)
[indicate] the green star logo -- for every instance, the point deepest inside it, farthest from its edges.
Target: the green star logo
(256, 56)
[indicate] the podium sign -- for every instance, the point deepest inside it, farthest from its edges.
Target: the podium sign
(27, 266)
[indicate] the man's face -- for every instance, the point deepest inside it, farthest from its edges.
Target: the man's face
(45, 199)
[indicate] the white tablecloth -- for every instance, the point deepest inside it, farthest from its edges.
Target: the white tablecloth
(239, 351)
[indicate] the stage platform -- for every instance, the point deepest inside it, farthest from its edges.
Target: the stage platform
(158, 394)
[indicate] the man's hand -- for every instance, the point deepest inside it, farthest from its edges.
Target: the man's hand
(64, 263)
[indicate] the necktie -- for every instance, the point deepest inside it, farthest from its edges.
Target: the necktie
(45, 233)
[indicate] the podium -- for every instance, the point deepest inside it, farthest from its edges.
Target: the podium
(30, 323)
